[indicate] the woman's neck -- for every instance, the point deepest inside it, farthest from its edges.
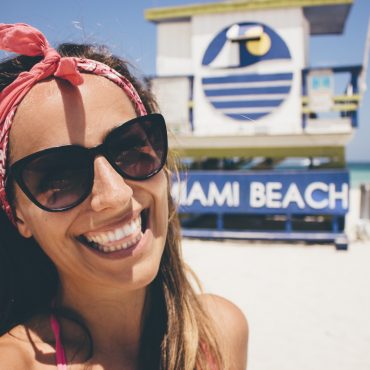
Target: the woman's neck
(113, 316)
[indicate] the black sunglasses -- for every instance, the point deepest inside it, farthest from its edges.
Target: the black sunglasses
(60, 178)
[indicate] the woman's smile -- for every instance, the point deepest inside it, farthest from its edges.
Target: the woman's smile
(120, 236)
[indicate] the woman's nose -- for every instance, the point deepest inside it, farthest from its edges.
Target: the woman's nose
(109, 189)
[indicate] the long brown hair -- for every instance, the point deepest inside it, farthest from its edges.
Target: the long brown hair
(177, 333)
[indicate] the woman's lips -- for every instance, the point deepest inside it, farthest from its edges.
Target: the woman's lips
(118, 238)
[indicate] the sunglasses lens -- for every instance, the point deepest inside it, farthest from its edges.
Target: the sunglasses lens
(139, 149)
(57, 180)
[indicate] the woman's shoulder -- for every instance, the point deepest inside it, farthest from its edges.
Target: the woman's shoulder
(226, 313)
(231, 325)
(22, 348)
(14, 353)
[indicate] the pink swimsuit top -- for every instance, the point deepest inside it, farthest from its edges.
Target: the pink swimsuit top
(59, 350)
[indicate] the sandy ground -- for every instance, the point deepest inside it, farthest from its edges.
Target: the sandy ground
(308, 307)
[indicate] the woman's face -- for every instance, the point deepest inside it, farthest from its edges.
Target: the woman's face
(104, 240)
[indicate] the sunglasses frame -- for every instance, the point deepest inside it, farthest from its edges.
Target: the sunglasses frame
(16, 169)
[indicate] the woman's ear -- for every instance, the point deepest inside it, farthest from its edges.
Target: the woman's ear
(22, 224)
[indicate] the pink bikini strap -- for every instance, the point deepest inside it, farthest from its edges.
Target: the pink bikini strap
(59, 350)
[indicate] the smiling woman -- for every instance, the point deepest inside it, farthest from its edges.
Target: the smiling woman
(91, 273)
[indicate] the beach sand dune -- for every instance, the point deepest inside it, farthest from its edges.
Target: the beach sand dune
(308, 306)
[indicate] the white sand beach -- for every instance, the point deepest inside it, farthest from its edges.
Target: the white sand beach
(308, 306)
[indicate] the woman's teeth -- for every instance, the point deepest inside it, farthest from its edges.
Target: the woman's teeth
(116, 234)
(114, 248)
(132, 228)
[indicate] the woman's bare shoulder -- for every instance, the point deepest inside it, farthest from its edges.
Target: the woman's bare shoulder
(23, 348)
(227, 314)
(232, 327)
(13, 351)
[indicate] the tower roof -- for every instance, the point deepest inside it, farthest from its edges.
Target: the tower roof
(324, 16)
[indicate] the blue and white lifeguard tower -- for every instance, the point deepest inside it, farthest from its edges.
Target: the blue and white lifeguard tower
(262, 133)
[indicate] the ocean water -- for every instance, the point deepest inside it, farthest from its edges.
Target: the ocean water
(359, 173)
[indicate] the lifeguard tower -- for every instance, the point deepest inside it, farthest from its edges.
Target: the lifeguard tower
(262, 132)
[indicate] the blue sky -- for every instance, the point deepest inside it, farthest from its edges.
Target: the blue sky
(121, 26)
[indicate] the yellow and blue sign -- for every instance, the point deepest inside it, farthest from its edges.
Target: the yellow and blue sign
(239, 93)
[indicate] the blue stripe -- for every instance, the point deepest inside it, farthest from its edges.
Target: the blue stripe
(251, 90)
(246, 116)
(247, 104)
(249, 78)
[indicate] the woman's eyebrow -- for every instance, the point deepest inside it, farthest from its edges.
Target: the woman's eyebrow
(112, 129)
(118, 125)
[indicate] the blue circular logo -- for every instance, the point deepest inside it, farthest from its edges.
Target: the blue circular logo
(241, 95)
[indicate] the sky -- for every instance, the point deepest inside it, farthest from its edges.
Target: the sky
(122, 27)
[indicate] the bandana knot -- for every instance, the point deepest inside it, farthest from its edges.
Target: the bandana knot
(23, 39)
(54, 65)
